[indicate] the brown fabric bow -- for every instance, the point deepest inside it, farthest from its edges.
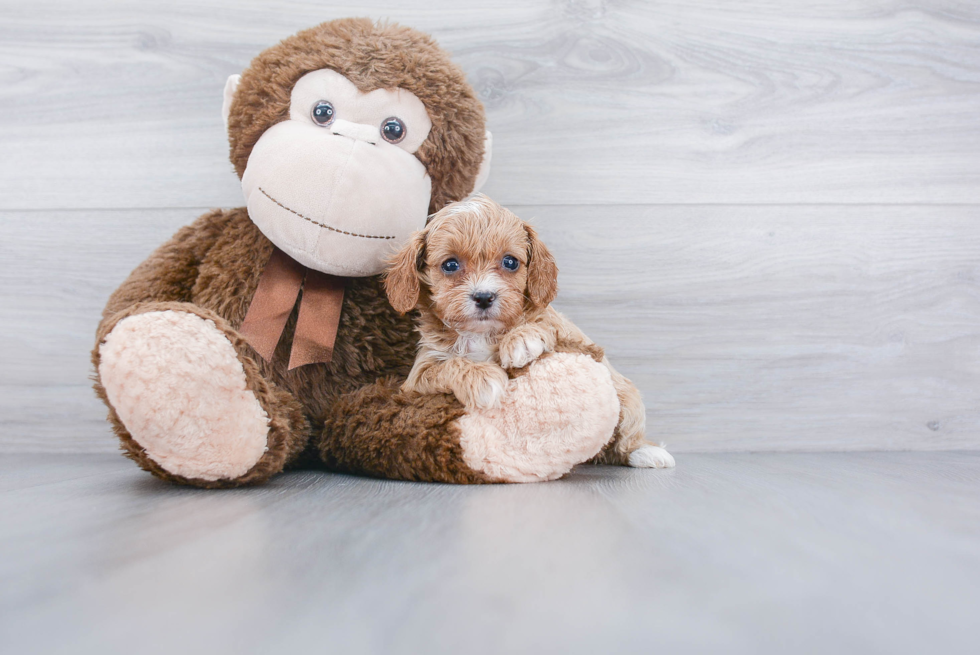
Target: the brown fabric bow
(275, 297)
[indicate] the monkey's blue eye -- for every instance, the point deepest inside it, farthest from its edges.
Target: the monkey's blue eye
(450, 265)
(510, 263)
(393, 130)
(323, 112)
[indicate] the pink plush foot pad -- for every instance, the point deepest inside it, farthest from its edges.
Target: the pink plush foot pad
(177, 385)
(561, 413)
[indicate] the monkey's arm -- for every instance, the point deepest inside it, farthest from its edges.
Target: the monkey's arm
(558, 413)
(475, 384)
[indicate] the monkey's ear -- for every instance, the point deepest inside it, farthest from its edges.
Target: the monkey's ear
(484, 172)
(231, 84)
(402, 278)
(542, 271)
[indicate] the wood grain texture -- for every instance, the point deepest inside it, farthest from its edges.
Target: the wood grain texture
(784, 328)
(736, 553)
(745, 327)
(114, 104)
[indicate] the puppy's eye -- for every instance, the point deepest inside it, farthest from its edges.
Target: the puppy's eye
(393, 130)
(510, 263)
(450, 265)
(322, 113)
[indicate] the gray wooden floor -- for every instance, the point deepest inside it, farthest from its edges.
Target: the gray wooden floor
(733, 553)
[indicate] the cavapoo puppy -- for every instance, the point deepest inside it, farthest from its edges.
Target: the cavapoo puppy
(483, 283)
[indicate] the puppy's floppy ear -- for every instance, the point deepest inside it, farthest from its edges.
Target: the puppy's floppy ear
(542, 272)
(402, 278)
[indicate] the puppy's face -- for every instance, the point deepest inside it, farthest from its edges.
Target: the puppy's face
(476, 268)
(480, 265)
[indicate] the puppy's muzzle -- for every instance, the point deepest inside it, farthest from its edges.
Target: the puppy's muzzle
(483, 299)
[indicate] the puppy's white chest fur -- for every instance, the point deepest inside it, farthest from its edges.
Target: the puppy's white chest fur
(475, 346)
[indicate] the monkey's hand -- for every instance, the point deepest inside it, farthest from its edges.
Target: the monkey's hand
(479, 384)
(524, 344)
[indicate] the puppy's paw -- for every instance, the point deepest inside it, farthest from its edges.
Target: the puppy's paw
(651, 457)
(489, 394)
(482, 386)
(519, 349)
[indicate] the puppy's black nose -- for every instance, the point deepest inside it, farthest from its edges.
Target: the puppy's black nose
(483, 299)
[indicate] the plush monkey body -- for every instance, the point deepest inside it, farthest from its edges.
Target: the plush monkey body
(211, 268)
(193, 402)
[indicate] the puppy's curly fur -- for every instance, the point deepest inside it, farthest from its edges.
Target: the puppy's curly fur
(483, 282)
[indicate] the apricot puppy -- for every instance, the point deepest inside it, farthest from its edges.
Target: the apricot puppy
(483, 282)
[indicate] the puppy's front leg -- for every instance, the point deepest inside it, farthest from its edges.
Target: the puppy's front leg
(475, 384)
(524, 344)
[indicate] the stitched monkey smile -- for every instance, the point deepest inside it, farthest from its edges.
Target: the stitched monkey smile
(322, 225)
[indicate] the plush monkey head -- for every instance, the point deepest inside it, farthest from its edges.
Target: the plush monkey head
(347, 136)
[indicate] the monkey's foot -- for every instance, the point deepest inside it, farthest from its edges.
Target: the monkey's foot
(176, 383)
(559, 414)
(651, 457)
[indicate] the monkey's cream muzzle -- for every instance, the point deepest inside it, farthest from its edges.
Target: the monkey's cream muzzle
(334, 203)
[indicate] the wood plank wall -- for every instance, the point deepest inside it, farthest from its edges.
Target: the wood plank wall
(767, 211)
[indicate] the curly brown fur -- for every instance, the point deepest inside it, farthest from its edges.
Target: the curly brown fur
(372, 56)
(171, 271)
(395, 435)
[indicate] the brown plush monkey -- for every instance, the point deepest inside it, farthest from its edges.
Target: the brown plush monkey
(261, 337)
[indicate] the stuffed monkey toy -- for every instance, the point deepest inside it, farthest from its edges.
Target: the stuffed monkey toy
(260, 337)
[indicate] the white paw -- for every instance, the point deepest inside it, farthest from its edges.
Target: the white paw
(651, 457)
(521, 351)
(489, 394)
